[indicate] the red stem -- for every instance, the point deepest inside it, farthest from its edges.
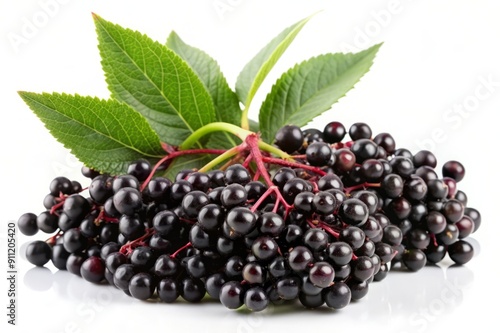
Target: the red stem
(281, 162)
(325, 227)
(363, 186)
(185, 246)
(253, 143)
(52, 240)
(247, 161)
(129, 246)
(263, 197)
(103, 217)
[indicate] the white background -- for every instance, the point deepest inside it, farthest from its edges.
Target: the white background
(435, 84)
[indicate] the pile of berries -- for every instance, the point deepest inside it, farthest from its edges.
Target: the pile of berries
(339, 217)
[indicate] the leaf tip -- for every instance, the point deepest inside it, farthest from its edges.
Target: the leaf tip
(95, 16)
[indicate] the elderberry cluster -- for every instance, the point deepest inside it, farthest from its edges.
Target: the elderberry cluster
(319, 234)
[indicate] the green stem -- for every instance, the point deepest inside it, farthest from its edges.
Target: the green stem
(244, 119)
(221, 158)
(273, 150)
(213, 127)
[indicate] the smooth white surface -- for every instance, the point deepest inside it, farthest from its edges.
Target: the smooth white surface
(436, 80)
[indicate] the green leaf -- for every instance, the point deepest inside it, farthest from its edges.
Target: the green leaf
(254, 126)
(310, 88)
(105, 135)
(255, 71)
(186, 162)
(154, 81)
(225, 100)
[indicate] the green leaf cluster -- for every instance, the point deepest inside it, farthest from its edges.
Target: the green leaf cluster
(163, 93)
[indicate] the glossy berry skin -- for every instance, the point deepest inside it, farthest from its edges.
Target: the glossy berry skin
(453, 210)
(27, 224)
(353, 236)
(424, 157)
(74, 241)
(386, 141)
(435, 222)
(289, 138)
(392, 185)
(415, 188)
(340, 253)
(122, 276)
(271, 224)
(127, 200)
(372, 170)
(324, 203)
(88, 172)
(434, 253)
(241, 219)
(179, 189)
(165, 222)
(454, 169)
(140, 169)
(101, 188)
(360, 131)
(364, 149)
(142, 257)
(141, 286)
(465, 226)
(311, 301)
(123, 181)
(293, 187)
(282, 176)
(437, 189)
(303, 202)
(334, 132)
(114, 260)
(337, 296)
(233, 195)
(256, 299)
(231, 295)
(74, 263)
(316, 239)
(370, 199)
(461, 252)
(312, 135)
(318, 153)
(38, 253)
(192, 290)
(321, 274)
(211, 217)
(167, 290)
(330, 181)
(475, 215)
(158, 189)
(92, 269)
(265, 248)
(402, 166)
(47, 222)
(299, 258)
(362, 268)
(131, 226)
(353, 212)
(414, 259)
(344, 160)
(288, 288)
(193, 202)
(449, 235)
(237, 174)
(60, 185)
(59, 256)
